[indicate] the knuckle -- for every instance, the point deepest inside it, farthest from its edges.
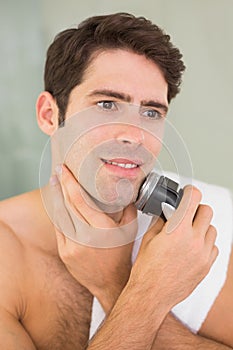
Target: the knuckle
(70, 254)
(197, 246)
(74, 252)
(215, 251)
(62, 253)
(206, 211)
(196, 193)
(204, 262)
(213, 230)
(211, 235)
(193, 192)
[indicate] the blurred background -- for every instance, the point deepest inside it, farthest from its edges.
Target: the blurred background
(202, 112)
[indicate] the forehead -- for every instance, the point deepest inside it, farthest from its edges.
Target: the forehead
(126, 72)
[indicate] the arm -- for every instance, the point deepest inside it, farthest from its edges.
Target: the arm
(188, 232)
(12, 334)
(132, 323)
(174, 336)
(160, 277)
(218, 324)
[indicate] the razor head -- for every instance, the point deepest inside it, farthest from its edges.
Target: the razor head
(156, 190)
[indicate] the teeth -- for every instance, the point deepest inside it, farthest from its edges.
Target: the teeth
(122, 165)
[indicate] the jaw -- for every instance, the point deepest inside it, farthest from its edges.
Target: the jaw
(112, 187)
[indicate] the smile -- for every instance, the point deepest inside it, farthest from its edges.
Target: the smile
(122, 165)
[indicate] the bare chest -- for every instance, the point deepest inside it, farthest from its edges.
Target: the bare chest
(58, 308)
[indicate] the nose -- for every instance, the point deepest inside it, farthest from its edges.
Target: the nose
(130, 134)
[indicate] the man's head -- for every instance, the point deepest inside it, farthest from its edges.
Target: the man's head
(109, 62)
(72, 51)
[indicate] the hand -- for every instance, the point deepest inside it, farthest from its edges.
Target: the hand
(174, 261)
(103, 271)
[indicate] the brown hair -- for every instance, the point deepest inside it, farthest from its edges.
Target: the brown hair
(72, 51)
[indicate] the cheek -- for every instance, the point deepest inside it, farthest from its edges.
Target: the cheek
(88, 147)
(82, 150)
(153, 144)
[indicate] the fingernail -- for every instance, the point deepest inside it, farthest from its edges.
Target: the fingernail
(58, 169)
(53, 180)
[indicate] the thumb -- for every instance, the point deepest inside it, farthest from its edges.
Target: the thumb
(156, 224)
(155, 228)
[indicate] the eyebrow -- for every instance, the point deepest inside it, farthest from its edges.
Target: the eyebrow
(127, 98)
(156, 104)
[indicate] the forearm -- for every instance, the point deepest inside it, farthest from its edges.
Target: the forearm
(108, 299)
(173, 335)
(132, 323)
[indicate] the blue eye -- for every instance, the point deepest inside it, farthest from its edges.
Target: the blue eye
(107, 105)
(151, 114)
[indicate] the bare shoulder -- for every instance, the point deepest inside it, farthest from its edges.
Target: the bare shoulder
(11, 268)
(26, 216)
(23, 231)
(219, 322)
(10, 246)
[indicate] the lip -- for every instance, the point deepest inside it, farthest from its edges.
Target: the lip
(138, 162)
(120, 171)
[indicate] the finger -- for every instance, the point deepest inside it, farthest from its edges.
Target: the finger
(214, 255)
(61, 217)
(72, 192)
(156, 224)
(187, 207)
(210, 237)
(61, 240)
(202, 218)
(155, 228)
(81, 201)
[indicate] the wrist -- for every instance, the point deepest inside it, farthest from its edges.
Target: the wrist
(154, 290)
(108, 297)
(150, 300)
(135, 320)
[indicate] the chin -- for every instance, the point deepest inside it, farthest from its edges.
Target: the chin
(113, 206)
(112, 201)
(111, 194)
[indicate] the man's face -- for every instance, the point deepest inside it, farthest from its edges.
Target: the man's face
(110, 161)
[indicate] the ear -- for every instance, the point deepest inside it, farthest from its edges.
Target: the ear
(47, 113)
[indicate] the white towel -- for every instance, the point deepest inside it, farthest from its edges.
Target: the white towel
(194, 309)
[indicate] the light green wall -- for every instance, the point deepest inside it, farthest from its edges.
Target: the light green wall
(20, 81)
(202, 29)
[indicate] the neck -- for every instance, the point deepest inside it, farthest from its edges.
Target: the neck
(115, 212)
(116, 216)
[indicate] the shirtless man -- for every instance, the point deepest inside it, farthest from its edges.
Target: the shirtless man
(48, 281)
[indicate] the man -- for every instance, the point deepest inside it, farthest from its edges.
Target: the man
(47, 280)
